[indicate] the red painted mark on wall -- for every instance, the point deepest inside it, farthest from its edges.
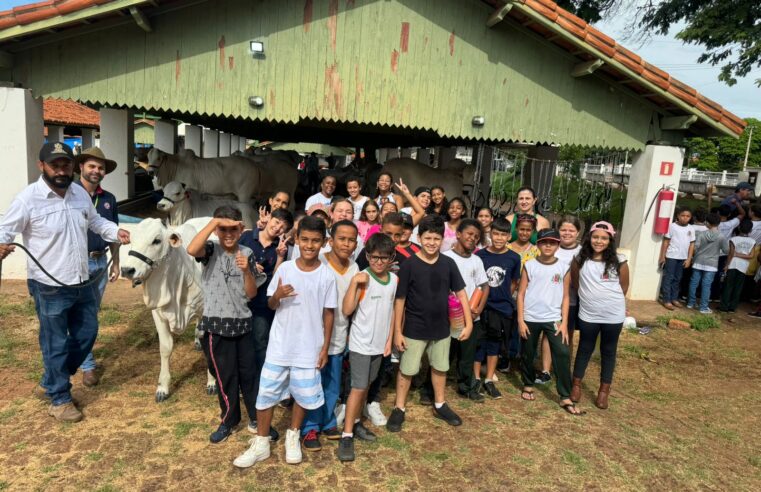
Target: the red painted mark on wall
(425, 41)
(451, 44)
(221, 46)
(230, 62)
(333, 22)
(307, 15)
(394, 60)
(404, 42)
(177, 68)
(504, 81)
(271, 102)
(360, 88)
(334, 89)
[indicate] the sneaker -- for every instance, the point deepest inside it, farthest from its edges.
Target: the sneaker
(375, 414)
(472, 395)
(543, 378)
(40, 393)
(293, 446)
(706, 311)
(332, 434)
(492, 390)
(426, 398)
(346, 449)
(258, 451)
(447, 415)
(252, 428)
(478, 386)
(311, 441)
(690, 306)
(340, 412)
(395, 421)
(363, 432)
(66, 412)
(755, 314)
(221, 434)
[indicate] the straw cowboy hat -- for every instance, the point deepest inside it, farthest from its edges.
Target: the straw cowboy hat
(96, 153)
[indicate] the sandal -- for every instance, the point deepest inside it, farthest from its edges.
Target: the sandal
(571, 409)
(530, 394)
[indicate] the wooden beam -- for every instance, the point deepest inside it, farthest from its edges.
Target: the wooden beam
(678, 122)
(498, 15)
(140, 19)
(586, 68)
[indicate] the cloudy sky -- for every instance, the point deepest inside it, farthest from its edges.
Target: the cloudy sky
(743, 99)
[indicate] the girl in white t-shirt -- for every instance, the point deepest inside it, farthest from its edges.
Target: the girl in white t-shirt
(354, 188)
(543, 308)
(676, 255)
(601, 278)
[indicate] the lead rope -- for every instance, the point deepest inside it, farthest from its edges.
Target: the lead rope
(36, 262)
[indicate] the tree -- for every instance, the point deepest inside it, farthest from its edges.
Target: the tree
(725, 153)
(589, 10)
(702, 153)
(729, 30)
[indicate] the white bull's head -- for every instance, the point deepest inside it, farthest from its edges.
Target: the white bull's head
(156, 158)
(151, 243)
(174, 193)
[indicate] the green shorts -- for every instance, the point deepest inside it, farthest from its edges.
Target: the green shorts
(437, 351)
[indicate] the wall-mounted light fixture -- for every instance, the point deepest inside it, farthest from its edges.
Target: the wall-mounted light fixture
(256, 48)
(255, 102)
(478, 121)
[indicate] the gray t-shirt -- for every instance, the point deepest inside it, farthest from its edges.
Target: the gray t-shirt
(225, 304)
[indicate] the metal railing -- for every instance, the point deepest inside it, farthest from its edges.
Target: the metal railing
(717, 178)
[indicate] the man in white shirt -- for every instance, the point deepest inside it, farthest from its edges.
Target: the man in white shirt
(325, 195)
(53, 218)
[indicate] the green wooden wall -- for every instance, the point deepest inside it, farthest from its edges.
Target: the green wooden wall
(426, 64)
(144, 134)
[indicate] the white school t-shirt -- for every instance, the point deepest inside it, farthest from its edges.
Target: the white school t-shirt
(297, 335)
(680, 238)
(743, 245)
(727, 227)
(295, 252)
(543, 300)
(358, 206)
(471, 270)
(317, 198)
(371, 322)
(755, 233)
(340, 322)
(567, 255)
(601, 298)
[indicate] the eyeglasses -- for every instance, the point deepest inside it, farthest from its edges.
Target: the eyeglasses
(378, 259)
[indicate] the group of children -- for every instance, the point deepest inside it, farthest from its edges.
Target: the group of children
(711, 257)
(323, 328)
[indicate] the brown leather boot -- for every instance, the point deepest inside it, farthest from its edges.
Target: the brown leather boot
(65, 413)
(576, 390)
(602, 396)
(89, 378)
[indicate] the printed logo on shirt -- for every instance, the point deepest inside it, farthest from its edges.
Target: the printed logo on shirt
(107, 206)
(608, 275)
(229, 268)
(495, 275)
(556, 279)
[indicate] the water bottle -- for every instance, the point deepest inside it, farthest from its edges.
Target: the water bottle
(456, 316)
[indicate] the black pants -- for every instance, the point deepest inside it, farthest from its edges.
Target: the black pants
(261, 336)
(231, 361)
(463, 353)
(608, 334)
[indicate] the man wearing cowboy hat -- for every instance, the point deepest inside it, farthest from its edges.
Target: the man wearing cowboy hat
(53, 218)
(93, 167)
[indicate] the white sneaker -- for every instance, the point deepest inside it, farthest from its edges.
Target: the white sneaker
(375, 414)
(292, 447)
(259, 451)
(706, 311)
(340, 412)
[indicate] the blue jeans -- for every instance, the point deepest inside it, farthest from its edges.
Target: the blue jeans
(672, 275)
(704, 279)
(324, 418)
(68, 326)
(95, 266)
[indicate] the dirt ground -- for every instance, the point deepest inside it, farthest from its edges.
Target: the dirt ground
(683, 416)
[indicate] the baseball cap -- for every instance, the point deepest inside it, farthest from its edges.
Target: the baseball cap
(744, 185)
(547, 235)
(603, 226)
(407, 218)
(55, 150)
(422, 189)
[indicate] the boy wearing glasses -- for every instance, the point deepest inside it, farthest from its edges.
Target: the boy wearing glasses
(421, 321)
(370, 299)
(228, 283)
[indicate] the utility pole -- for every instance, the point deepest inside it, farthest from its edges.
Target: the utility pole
(747, 148)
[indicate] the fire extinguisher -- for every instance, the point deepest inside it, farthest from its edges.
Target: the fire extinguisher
(664, 210)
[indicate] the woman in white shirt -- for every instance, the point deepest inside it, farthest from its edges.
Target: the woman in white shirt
(601, 278)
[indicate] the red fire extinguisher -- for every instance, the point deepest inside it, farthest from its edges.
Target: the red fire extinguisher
(664, 211)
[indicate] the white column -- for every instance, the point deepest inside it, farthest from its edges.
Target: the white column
(224, 144)
(210, 143)
(382, 156)
(637, 239)
(234, 143)
(88, 138)
(117, 141)
(424, 156)
(165, 136)
(21, 136)
(242, 144)
(193, 139)
(55, 133)
(393, 153)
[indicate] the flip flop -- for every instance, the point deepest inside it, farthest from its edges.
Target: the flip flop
(530, 393)
(569, 407)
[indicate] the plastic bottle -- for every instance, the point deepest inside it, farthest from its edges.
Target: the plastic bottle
(456, 316)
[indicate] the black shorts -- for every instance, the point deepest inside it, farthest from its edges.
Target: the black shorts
(494, 324)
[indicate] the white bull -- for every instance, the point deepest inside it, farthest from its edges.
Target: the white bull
(183, 204)
(171, 282)
(415, 174)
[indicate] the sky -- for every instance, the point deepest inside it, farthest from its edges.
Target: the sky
(669, 54)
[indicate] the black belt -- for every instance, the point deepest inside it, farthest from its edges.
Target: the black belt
(96, 254)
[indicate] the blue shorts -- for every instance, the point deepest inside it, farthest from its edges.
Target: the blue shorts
(486, 348)
(279, 383)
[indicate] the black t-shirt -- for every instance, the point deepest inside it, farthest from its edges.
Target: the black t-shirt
(425, 288)
(501, 270)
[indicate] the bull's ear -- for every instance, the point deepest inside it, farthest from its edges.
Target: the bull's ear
(175, 240)
(184, 185)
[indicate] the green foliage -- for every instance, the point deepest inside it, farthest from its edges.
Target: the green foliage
(716, 154)
(589, 10)
(698, 322)
(729, 30)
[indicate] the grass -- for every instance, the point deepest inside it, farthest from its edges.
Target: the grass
(109, 316)
(94, 456)
(698, 322)
(25, 309)
(579, 464)
(183, 429)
